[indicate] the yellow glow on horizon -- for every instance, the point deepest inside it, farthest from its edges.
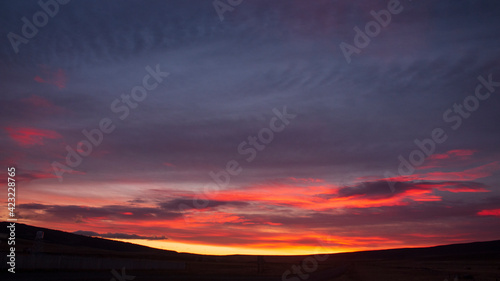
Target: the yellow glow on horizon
(232, 250)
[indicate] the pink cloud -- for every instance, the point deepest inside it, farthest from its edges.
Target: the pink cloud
(31, 136)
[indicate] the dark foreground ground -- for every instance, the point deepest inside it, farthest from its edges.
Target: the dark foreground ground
(480, 269)
(65, 256)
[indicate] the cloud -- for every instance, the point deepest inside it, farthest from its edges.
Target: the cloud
(27, 136)
(37, 101)
(188, 203)
(448, 159)
(119, 235)
(34, 175)
(466, 175)
(378, 189)
(54, 77)
(454, 154)
(72, 213)
(495, 212)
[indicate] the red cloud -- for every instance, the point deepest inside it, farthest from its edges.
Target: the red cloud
(30, 175)
(444, 159)
(31, 136)
(467, 175)
(462, 153)
(495, 212)
(48, 76)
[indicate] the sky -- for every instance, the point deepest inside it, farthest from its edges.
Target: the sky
(252, 126)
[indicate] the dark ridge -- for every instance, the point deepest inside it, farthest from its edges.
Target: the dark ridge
(490, 249)
(51, 236)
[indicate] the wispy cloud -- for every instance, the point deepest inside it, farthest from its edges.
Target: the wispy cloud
(119, 235)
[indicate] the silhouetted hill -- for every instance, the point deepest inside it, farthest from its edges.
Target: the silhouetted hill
(56, 237)
(465, 250)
